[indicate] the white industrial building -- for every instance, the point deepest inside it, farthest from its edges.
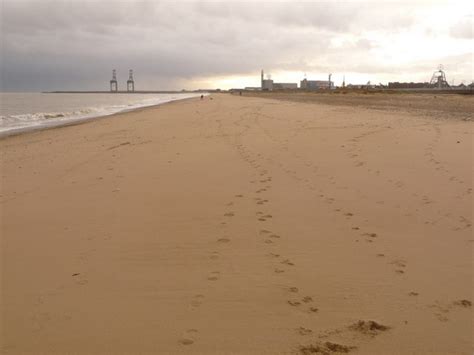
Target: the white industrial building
(306, 84)
(269, 85)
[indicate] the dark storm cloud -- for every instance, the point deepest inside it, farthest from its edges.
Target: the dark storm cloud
(49, 45)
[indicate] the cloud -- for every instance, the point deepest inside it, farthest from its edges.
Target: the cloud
(59, 44)
(463, 29)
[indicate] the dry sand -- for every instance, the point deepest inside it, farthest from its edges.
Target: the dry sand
(241, 225)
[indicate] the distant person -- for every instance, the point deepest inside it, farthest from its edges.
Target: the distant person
(240, 93)
(202, 97)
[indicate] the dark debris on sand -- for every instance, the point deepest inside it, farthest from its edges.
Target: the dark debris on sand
(326, 348)
(463, 303)
(369, 327)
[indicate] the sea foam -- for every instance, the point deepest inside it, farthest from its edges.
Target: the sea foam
(21, 112)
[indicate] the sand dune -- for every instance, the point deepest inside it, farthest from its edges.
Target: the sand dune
(241, 225)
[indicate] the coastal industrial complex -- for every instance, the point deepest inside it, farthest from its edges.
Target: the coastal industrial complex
(269, 85)
(438, 81)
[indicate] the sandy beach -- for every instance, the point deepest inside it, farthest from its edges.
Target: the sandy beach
(274, 224)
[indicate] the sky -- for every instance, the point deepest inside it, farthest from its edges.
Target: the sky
(174, 45)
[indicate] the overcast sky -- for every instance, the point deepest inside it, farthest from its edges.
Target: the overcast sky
(75, 44)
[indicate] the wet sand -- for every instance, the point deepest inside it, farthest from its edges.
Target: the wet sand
(241, 225)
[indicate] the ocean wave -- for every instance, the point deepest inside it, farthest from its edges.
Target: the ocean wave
(23, 122)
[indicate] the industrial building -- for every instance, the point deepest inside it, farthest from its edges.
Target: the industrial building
(306, 84)
(285, 86)
(269, 85)
(364, 86)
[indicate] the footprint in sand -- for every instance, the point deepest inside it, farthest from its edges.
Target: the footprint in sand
(279, 271)
(288, 262)
(441, 311)
(214, 255)
(368, 327)
(401, 266)
(294, 303)
(80, 279)
(214, 276)
(196, 300)
(308, 299)
(276, 236)
(223, 240)
(229, 214)
(264, 231)
(303, 331)
(189, 337)
(463, 303)
(370, 237)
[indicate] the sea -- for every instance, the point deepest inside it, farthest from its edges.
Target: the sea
(20, 112)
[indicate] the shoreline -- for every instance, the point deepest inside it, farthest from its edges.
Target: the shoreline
(129, 92)
(78, 121)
